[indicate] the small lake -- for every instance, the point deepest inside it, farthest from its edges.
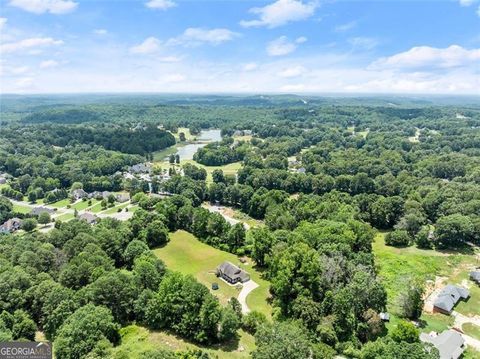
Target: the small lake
(186, 152)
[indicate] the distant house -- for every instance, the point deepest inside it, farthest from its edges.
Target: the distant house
(99, 195)
(79, 194)
(37, 210)
(88, 217)
(301, 170)
(231, 273)
(122, 197)
(448, 298)
(449, 343)
(475, 276)
(11, 225)
(3, 180)
(140, 168)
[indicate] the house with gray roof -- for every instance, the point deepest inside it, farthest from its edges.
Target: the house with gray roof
(140, 168)
(231, 273)
(475, 276)
(448, 298)
(10, 226)
(79, 194)
(450, 343)
(88, 217)
(37, 210)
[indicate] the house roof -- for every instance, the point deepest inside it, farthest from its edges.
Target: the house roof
(449, 296)
(79, 192)
(449, 343)
(232, 271)
(88, 217)
(11, 225)
(37, 210)
(475, 275)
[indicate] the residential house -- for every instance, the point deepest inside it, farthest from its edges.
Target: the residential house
(122, 197)
(88, 217)
(475, 276)
(231, 273)
(448, 298)
(140, 168)
(3, 180)
(37, 210)
(450, 343)
(11, 225)
(301, 170)
(79, 194)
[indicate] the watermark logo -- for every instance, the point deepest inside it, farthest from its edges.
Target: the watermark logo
(25, 350)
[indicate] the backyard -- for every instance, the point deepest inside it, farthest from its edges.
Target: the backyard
(186, 254)
(397, 265)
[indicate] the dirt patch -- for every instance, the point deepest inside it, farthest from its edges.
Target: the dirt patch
(432, 289)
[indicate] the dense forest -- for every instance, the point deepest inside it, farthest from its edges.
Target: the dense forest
(324, 177)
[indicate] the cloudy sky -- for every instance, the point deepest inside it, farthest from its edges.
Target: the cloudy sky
(286, 46)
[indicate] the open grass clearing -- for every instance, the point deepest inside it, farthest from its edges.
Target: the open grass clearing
(137, 340)
(21, 209)
(60, 204)
(397, 265)
(116, 208)
(65, 217)
(186, 254)
(471, 330)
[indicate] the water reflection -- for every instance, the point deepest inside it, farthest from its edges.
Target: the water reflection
(186, 152)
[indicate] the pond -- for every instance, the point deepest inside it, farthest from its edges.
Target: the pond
(186, 152)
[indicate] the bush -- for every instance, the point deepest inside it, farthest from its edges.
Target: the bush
(397, 238)
(422, 239)
(252, 320)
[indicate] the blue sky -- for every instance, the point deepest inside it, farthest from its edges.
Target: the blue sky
(285, 46)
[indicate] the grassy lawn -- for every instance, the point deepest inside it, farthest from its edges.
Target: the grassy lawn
(60, 204)
(115, 209)
(81, 205)
(472, 330)
(136, 340)
(186, 254)
(397, 265)
(21, 209)
(229, 169)
(95, 208)
(436, 322)
(65, 217)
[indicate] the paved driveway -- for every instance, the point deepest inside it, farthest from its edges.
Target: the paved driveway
(242, 296)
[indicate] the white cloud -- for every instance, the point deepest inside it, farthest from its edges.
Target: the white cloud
(293, 71)
(280, 13)
(174, 78)
(24, 82)
(195, 36)
(363, 43)
(100, 32)
(11, 70)
(346, 27)
(3, 22)
(160, 4)
(282, 46)
(301, 40)
(148, 46)
(42, 6)
(466, 2)
(170, 59)
(31, 44)
(430, 57)
(48, 64)
(250, 66)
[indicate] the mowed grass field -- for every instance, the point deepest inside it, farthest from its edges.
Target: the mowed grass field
(137, 340)
(396, 265)
(186, 254)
